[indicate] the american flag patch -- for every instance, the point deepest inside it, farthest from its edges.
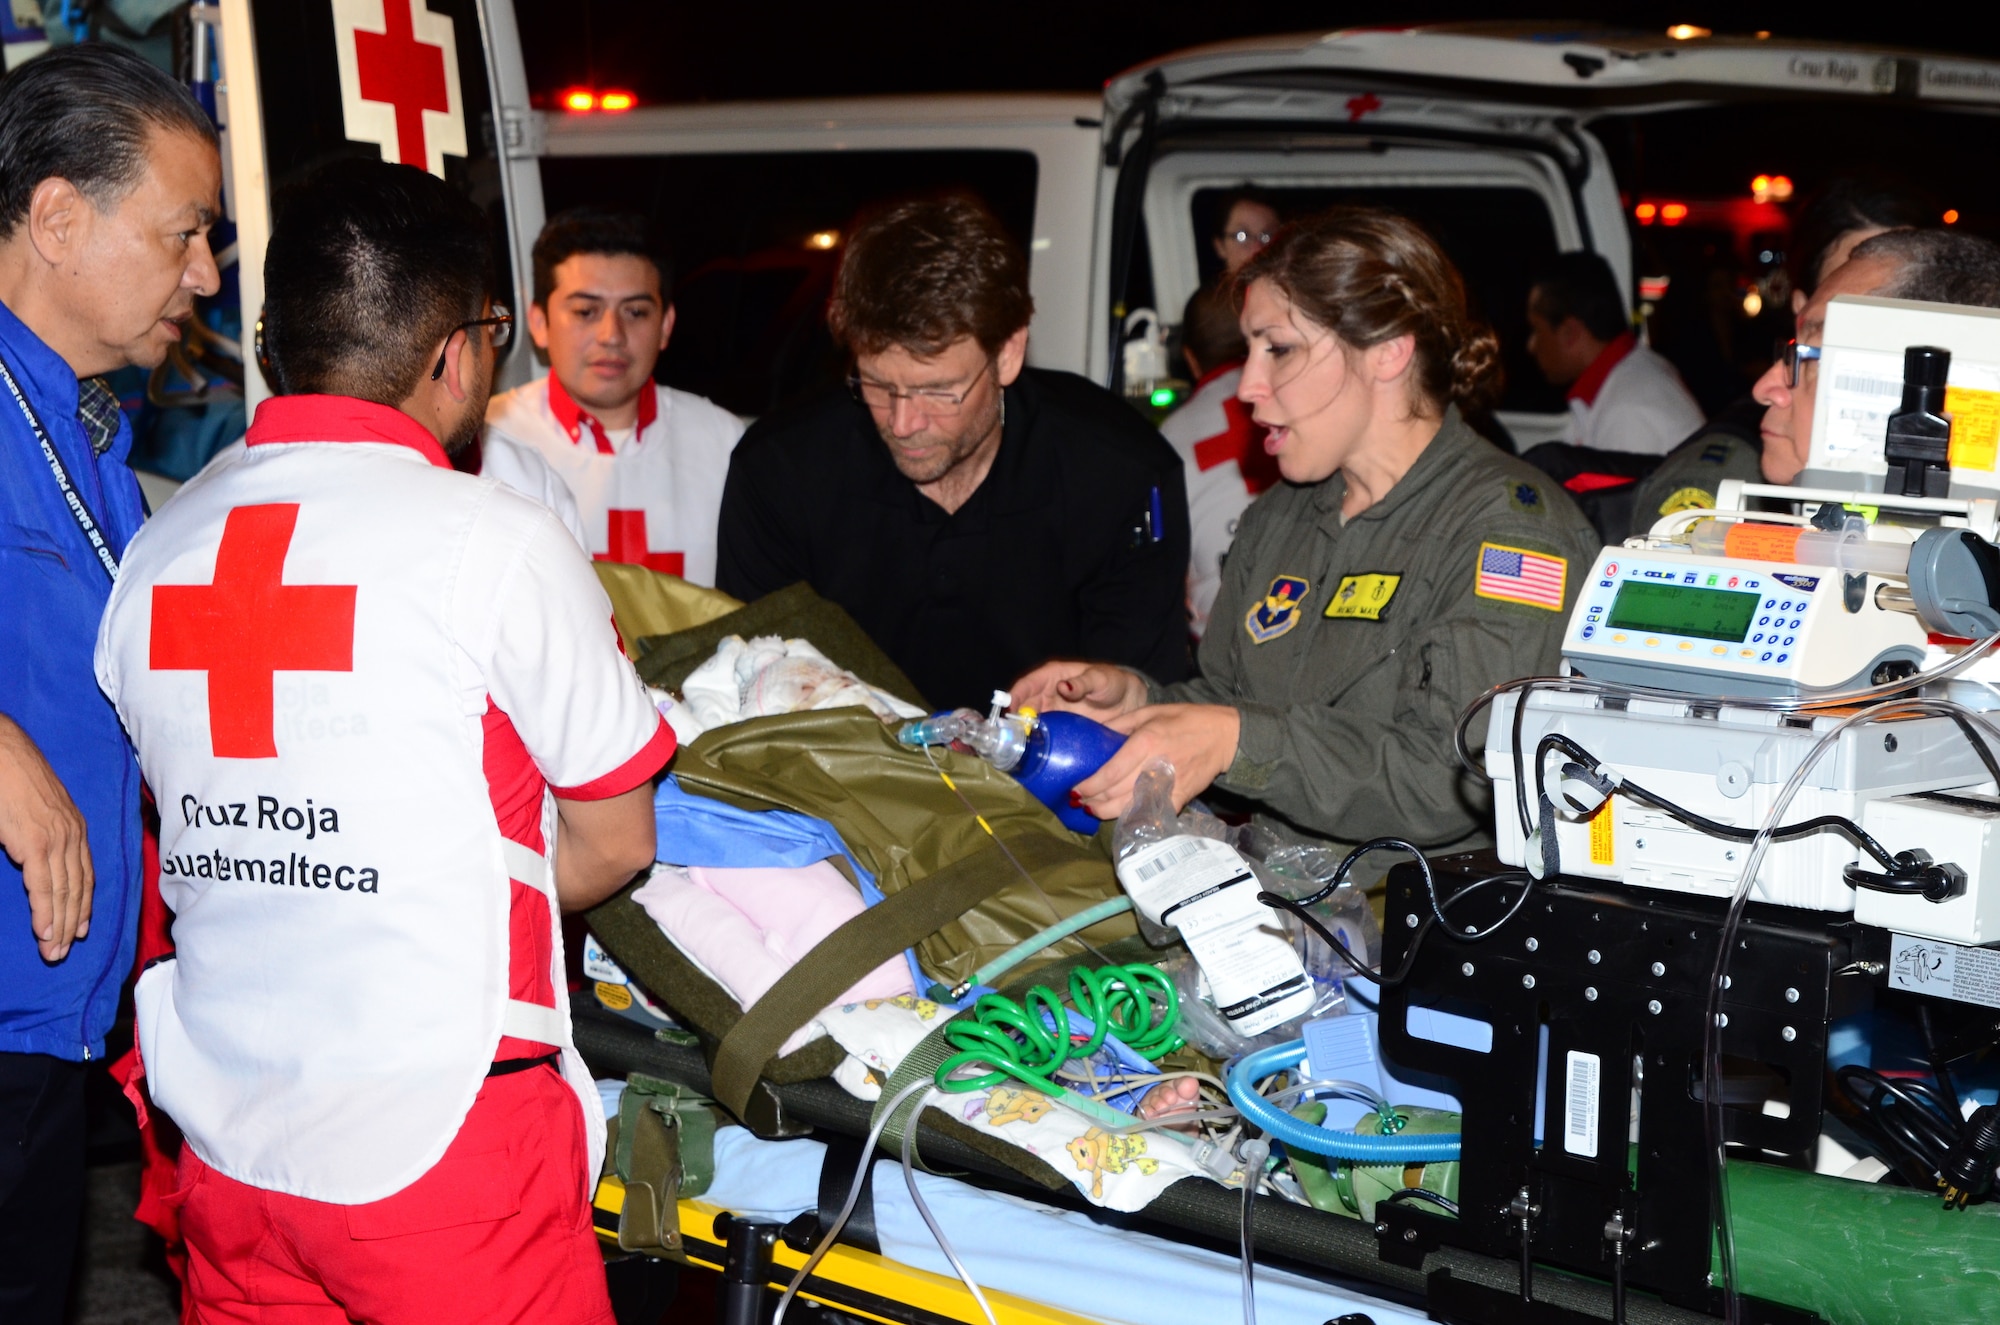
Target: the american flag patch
(1516, 575)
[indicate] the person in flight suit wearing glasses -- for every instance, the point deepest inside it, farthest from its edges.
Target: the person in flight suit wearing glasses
(1403, 566)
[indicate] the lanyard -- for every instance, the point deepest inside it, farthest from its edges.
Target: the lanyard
(71, 498)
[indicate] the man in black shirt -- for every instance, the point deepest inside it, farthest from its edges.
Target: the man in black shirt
(975, 516)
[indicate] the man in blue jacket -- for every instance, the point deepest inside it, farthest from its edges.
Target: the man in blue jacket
(109, 182)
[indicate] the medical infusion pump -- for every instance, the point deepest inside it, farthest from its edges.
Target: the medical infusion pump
(1679, 620)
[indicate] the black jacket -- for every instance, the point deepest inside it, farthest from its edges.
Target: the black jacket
(1058, 553)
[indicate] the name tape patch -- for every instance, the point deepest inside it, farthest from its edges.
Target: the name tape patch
(1363, 597)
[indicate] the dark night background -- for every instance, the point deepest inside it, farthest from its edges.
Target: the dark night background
(677, 52)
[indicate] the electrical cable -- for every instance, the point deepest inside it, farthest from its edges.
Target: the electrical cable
(1861, 695)
(1914, 1121)
(1939, 1067)
(1402, 972)
(1443, 1203)
(1255, 1152)
(930, 1221)
(1860, 835)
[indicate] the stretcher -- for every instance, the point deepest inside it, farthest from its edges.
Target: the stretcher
(1299, 1250)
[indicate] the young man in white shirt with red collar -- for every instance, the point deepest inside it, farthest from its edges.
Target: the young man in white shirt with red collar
(1622, 396)
(374, 698)
(645, 463)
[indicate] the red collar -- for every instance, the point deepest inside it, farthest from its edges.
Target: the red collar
(1216, 372)
(1585, 388)
(574, 418)
(340, 419)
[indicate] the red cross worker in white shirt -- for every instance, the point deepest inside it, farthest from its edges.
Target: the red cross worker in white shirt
(645, 463)
(391, 734)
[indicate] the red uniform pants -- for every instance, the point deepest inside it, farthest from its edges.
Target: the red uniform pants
(498, 1231)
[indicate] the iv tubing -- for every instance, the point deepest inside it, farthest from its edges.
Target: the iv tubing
(1254, 1067)
(1020, 952)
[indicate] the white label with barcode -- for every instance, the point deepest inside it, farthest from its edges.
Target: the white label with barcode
(1580, 1104)
(1208, 892)
(1160, 876)
(1861, 389)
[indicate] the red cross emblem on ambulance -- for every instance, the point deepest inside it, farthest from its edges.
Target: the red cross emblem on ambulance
(399, 80)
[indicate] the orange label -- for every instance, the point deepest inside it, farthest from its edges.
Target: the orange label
(1600, 834)
(1762, 542)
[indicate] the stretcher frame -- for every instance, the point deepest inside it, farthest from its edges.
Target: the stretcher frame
(1344, 1253)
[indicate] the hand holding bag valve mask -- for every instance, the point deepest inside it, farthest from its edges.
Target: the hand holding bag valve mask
(1206, 890)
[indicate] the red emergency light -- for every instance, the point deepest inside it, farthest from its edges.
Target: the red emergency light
(583, 100)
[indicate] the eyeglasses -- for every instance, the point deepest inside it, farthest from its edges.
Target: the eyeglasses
(931, 400)
(1791, 354)
(1247, 236)
(500, 320)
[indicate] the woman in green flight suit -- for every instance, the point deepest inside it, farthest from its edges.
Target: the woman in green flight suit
(1403, 566)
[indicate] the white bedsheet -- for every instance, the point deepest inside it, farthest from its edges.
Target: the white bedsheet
(1059, 1257)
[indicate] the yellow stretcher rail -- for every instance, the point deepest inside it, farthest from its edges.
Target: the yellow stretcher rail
(848, 1279)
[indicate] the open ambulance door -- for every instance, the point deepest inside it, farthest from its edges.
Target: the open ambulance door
(1494, 136)
(432, 83)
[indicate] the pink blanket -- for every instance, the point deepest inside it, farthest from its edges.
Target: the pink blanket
(746, 927)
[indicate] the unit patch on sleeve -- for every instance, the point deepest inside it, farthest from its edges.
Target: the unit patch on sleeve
(1363, 597)
(1516, 575)
(1278, 610)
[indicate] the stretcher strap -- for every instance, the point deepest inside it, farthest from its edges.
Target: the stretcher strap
(921, 1063)
(859, 946)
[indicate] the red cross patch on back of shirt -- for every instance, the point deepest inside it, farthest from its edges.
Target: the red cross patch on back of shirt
(248, 625)
(625, 540)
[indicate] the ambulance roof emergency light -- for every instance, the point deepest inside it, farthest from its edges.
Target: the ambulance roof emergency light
(582, 100)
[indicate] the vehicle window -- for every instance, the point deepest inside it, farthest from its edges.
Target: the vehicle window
(1497, 236)
(756, 239)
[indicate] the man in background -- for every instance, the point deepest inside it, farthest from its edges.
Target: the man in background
(1935, 266)
(975, 516)
(1846, 212)
(109, 182)
(1221, 448)
(644, 463)
(1622, 396)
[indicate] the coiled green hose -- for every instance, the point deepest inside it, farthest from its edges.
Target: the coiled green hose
(1030, 1040)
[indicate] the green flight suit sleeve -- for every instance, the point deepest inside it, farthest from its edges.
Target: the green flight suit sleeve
(1378, 760)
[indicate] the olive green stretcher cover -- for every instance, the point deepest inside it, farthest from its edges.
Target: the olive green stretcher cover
(951, 891)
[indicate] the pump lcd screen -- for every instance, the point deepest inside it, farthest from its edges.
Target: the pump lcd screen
(1682, 609)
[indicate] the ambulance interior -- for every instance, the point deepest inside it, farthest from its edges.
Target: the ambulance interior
(1504, 1087)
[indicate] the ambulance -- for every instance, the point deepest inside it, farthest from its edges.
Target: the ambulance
(1512, 142)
